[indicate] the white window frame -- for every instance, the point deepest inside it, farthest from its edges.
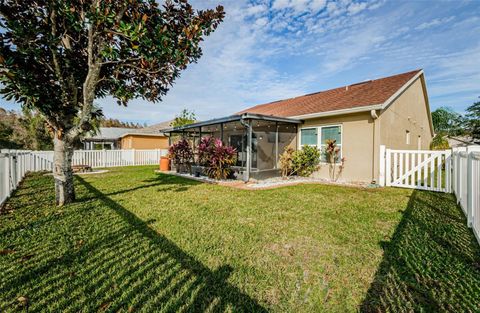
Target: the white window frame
(300, 136)
(320, 143)
(408, 137)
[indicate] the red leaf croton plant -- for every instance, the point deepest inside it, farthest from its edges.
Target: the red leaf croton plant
(216, 157)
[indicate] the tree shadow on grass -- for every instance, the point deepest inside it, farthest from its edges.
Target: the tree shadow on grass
(198, 288)
(166, 182)
(431, 264)
(110, 260)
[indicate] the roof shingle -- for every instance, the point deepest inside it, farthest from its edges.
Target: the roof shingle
(366, 93)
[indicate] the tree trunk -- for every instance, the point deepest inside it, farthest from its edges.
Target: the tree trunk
(62, 171)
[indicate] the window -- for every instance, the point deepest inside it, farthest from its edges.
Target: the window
(331, 133)
(407, 137)
(419, 143)
(309, 136)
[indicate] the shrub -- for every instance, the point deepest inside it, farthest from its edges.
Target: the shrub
(333, 154)
(181, 153)
(305, 161)
(286, 162)
(217, 157)
(439, 142)
(205, 150)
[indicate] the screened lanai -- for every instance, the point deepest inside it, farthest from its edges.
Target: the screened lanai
(258, 139)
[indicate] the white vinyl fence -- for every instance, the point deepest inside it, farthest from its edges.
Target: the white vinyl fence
(416, 169)
(14, 164)
(456, 170)
(466, 184)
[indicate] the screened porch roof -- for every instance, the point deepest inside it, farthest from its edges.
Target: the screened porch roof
(232, 118)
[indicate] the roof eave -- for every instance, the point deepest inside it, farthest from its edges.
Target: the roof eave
(365, 108)
(143, 134)
(235, 117)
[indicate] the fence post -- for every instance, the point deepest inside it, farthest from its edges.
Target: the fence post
(459, 175)
(7, 175)
(388, 168)
(469, 189)
(134, 162)
(448, 171)
(381, 174)
(470, 184)
(104, 158)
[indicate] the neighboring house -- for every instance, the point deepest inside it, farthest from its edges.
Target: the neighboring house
(128, 138)
(461, 141)
(146, 138)
(391, 111)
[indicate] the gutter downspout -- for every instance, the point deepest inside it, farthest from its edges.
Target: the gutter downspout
(374, 116)
(248, 126)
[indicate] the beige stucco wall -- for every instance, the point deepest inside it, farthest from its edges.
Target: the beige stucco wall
(407, 113)
(357, 141)
(144, 142)
(362, 135)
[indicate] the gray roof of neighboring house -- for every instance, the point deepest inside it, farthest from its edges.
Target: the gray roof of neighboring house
(109, 133)
(156, 128)
(461, 141)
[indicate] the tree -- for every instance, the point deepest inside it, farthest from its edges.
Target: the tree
(184, 118)
(39, 136)
(439, 142)
(24, 131)
(448, 122)
(473, 116)
(58, 56)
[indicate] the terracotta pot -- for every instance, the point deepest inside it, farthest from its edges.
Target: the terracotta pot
(164, 164)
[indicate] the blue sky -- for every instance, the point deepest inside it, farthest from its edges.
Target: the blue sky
(271, 50)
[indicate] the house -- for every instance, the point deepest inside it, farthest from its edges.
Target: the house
(461, 141)
(146, 138)
(128, 138)
(391, 111)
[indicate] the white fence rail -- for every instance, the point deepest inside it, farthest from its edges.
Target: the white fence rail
(456, 170)
(416, 169)
(466, 184)
(14, 164)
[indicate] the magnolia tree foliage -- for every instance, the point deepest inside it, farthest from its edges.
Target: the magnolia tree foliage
(57, 56)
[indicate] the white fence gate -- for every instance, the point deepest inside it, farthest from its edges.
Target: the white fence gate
(417, 169)
(456, 170)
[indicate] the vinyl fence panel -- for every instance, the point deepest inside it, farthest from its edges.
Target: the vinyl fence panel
(14, 164)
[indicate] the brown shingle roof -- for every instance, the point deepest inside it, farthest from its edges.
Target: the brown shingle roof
(366, 93)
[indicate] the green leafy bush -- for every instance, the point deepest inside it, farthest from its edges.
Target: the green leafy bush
(439, 142)
(306, 161)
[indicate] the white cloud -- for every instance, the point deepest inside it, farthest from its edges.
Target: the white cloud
(435, 22)
(261, 21)
(317, 5)
(280, 4)
(256, 9)
(264, 52)
(355, 8)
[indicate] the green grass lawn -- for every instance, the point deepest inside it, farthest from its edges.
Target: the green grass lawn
(137, 241)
